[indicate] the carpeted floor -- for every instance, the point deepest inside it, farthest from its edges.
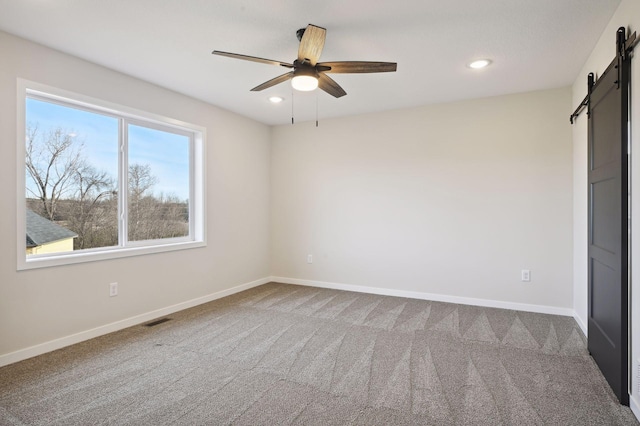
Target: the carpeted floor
(283, 354)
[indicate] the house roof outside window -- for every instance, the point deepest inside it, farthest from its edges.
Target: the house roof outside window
(42, 231)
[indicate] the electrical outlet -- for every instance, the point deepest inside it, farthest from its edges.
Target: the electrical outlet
(113, 289)
(526, 275)
(309, 258)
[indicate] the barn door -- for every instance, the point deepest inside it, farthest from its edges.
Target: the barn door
(608, 222)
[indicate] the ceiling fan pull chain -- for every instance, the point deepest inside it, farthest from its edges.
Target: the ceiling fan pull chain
(292, 106)
(316, 108)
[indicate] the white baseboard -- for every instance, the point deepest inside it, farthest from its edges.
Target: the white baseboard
(635, 406)
(62, 342)
(568, 312)
(581, 323)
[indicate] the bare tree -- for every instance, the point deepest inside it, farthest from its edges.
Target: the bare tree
(67, 189)
(52, 159)
(142, 206)
(173, 217)
(93, 209)
(153, 216)
(141, 180)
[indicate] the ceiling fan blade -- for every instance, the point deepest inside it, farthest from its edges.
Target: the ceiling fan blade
(279, 79)
(327, 84)
(311, 44)
(252, 58)
(353, 67)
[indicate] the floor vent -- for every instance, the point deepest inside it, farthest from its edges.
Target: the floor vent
(156, 322)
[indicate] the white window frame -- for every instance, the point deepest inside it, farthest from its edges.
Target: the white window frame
(127, 115)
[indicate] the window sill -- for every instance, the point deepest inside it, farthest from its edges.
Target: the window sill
(47, 261)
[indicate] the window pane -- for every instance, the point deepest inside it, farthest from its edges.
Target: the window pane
(71, 178)
(105, 181)
(158, 187)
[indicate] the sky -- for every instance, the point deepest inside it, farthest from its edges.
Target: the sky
(166, 153)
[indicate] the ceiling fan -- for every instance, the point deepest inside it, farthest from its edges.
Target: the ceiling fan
(307, 73)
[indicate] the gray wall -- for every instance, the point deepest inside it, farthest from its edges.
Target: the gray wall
(452, 201)
(39, 306)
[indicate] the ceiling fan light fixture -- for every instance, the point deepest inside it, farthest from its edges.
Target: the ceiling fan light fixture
(480, 63)
(276, 99)
(304, 83)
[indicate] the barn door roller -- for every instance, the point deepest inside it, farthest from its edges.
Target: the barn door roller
(624, 50)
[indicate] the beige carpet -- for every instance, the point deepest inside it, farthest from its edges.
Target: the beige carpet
(283, 354)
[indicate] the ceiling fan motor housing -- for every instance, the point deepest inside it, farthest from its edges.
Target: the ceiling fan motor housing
(304, 69)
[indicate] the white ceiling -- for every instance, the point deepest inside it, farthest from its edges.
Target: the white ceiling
(534, 44)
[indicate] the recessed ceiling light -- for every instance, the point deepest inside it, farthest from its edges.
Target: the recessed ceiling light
(276, 99)
(480, 63)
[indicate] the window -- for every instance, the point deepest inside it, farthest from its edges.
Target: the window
(101, 181)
